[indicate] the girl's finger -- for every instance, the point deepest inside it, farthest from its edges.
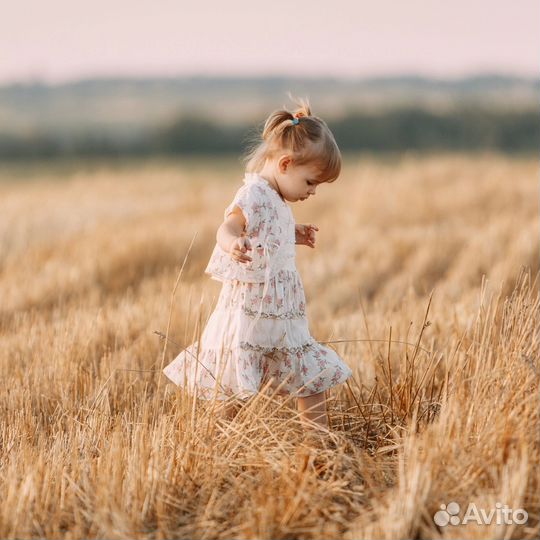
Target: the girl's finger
(240, 257)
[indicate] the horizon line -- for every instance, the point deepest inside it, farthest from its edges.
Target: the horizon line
(478, 74)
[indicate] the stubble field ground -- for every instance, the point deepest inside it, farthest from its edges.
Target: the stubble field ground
(424, 278)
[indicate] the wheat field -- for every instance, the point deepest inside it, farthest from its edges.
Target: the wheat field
(424, 279)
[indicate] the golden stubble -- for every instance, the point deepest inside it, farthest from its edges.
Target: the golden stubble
(424, 279)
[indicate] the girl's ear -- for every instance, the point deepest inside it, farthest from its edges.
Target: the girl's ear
(284, 163)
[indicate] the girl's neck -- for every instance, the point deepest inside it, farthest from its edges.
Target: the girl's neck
(266, 173)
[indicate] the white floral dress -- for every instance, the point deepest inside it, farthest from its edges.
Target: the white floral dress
(258, 331)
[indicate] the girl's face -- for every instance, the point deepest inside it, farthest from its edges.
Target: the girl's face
(296, 182)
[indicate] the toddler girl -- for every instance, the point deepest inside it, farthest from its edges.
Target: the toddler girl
(258, 331)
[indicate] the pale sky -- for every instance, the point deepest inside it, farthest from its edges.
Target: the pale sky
(61, 40)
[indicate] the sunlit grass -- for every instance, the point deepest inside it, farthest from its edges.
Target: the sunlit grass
(424, 279)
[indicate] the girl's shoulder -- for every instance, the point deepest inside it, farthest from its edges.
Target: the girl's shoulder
(256, 193)
(259, 189)
(255, 186)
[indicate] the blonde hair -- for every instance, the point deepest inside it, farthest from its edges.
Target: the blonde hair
(310, 141)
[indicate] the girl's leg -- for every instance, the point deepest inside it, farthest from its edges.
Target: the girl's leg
(313, 408)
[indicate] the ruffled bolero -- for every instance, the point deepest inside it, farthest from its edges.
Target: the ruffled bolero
(270, 227)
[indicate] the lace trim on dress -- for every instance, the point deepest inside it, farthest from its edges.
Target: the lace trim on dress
(293, 350)
(287, 315)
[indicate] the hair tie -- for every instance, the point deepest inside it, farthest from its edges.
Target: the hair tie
(295, 121)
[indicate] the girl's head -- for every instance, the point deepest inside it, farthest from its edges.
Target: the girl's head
(297, 150)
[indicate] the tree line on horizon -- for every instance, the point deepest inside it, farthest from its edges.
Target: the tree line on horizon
(399, 129)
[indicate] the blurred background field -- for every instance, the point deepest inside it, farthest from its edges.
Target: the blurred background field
(207, 115)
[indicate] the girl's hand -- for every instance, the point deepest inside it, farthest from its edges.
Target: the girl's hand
(305, 234)
(238, 248)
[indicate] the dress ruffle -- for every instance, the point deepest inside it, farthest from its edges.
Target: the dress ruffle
(241, 372)
(250, 339)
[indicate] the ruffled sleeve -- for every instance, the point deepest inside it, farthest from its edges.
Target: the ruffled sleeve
(261, 226)
(250, 199)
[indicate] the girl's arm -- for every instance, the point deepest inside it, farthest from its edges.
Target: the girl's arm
(230, 236)
(231, 229)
